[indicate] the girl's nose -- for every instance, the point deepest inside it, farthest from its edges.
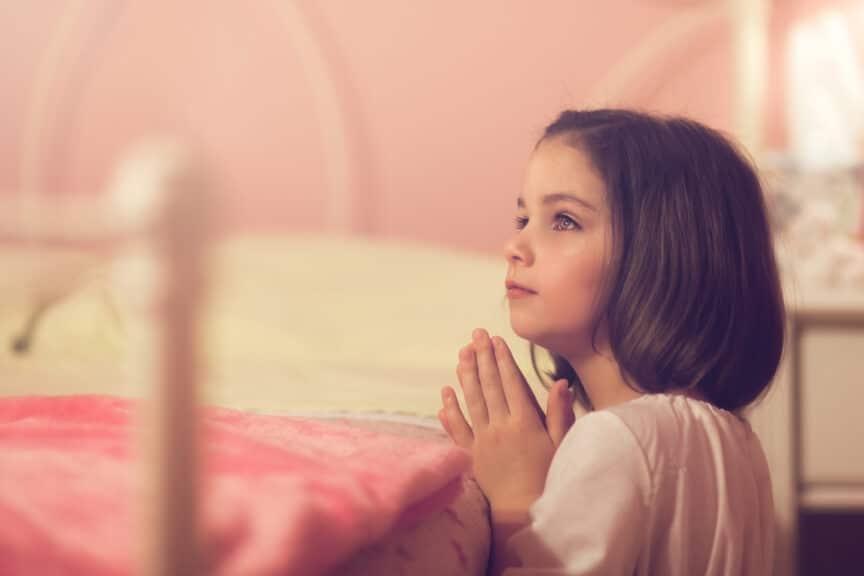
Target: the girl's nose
(516, 250)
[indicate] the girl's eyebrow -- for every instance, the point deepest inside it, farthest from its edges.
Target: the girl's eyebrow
(558, 197)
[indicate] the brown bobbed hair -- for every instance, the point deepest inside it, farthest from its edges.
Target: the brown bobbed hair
(692, 300)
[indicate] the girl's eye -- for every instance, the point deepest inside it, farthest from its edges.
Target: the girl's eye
(565, 222)
(521, 222)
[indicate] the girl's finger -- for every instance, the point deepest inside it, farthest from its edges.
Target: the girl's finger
(442, 418)
(490, 379)
(468, 380)
(457, 428)
(559, 411)
(520, 397)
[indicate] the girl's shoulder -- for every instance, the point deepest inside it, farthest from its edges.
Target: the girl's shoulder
(662, 431)
(677, 413)
(673, 429)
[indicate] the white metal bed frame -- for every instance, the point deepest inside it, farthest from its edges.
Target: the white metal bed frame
(157, 219)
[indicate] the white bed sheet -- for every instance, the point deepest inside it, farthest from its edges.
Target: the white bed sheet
(293, 323)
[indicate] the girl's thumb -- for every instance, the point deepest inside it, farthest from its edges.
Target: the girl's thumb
(559, 411)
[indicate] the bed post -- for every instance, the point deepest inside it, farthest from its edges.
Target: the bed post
(164, 198)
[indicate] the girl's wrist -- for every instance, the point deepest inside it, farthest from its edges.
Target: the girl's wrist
(517, 515)
(505, 523)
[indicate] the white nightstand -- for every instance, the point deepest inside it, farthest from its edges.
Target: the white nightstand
(812, 421)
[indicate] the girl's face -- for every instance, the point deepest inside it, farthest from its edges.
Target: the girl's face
(559, 250)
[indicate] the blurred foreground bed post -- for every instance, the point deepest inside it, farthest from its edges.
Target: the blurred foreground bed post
(165, 198)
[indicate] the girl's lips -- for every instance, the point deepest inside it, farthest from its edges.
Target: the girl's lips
(518, 292)
(511, 285)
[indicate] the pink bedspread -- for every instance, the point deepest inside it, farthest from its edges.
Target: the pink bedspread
(281, 495)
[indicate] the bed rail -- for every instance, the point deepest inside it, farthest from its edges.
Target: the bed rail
(153, 228)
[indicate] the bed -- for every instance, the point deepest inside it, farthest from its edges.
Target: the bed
(207, 352)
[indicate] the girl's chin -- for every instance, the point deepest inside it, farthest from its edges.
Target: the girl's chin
(525, 332)
(559, 344)
(535, 336)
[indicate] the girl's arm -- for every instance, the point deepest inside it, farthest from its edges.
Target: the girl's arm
(595, 511)
(591, 512)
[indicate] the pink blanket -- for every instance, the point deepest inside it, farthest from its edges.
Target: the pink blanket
(282, 495)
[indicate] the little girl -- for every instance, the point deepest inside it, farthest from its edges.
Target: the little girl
(642, 262)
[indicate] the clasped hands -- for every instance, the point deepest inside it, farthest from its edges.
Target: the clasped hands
(510, 438)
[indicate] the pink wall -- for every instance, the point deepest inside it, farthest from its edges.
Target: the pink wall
(438, 103)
